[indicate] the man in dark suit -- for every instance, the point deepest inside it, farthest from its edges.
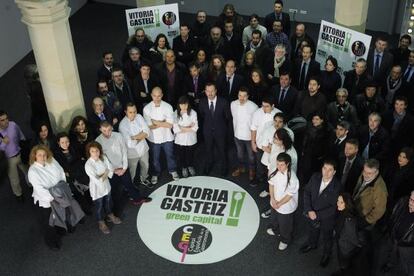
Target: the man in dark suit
(408, 80)
(195, 84)
(262, 51)
(101, 113)
(233, 41)
(172, 75)
(215, 44)
(305, 68)
(228, 82)
(399, 123)
(296, 40)
(215, 113)
(350, 166)
(357, 79)
(374, 140)
(120, 87)
(285, 95)
(394, 86)
(132, 64)
(320, 197)
(337, 142)
(105, 71)
(143, 85)
(380, 61)
(184, 45)
(277, 14)
(401, 53)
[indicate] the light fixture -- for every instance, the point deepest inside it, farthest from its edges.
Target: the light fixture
(412, 17)
(411, 24)
(410, 31)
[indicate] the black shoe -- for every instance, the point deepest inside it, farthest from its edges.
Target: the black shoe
(253, 183)
(386, 268)
(324, 261)
(306, 248)
(20, 199)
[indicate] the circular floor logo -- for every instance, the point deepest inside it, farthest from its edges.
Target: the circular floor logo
(198, 220)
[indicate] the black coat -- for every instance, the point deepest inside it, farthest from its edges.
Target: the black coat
(346, 233)
(306, 104)
(200, 31)
(236, 45)
(313, 70)
(285, 68)
(131, 69)
(105, 74)
(330, 82)
(336, 151)
(75, 167)
(385, 66)
(403, 136)
(353, 174)
(223, 89)
(262, 56)
(219, 48)
(288, 103)
(257, 92)
(185, 51)
(399, 214)
(365, 106)
(94, 119)
(336, 114)
(400, 56)
(354, 84)
(138, 86)
(124, 95)
(379, 145)
(295, 45)
(144, 47)
(324, 205)
(201, 85)
(271, 17)
(217, 125)
(399, 183)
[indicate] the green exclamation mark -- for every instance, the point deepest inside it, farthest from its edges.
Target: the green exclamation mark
(347, 41)
(237, 199)
(157, 17)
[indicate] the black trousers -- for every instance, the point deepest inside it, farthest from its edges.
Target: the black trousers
(283, 224)
(52, 235)
(185, 156)
(326, 230)
(215, 144)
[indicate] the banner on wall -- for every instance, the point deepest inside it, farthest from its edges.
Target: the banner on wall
(344, 44)
(198, 220)
(154, 20)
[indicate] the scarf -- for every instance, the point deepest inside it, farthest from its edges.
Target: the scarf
(392, 89)
(254, 48)
(397, 121)
(277, 65)
(162, 52)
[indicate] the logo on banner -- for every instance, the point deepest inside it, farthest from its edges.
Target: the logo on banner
(358, 48)
(169, 18)
(198, 220)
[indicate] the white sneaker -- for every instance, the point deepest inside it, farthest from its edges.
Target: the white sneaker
(184, 172)
(282, 246)
(154, 180)
(175, 176)
(270, 232)
(192, 171)
(264, 193)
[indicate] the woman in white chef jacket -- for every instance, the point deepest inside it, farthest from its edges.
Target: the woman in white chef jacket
(185, 129)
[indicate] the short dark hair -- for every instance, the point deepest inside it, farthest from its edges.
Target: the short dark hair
(382, 38)
(61, 135)
(372, 163)
(353, 141)
(253, 16)
(280, 115)
(278, 2)
(257, 32)
(2, 113)
(406, 36)
(129, 104)
(333, 60)
(244, 89)
(344, 124)
(194, 64)
(331, 162)
(104, 123)
(402, 99)
(106, 53)
(315, 78)
(211, 84)
(184, 24)
(268, 99)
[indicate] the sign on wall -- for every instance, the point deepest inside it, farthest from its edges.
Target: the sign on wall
(344, 44)
(198, 220)
(155, 20)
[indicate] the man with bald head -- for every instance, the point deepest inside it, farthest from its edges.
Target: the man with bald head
(297, 38)
(101, 112)
(215, 44)
(173, 75)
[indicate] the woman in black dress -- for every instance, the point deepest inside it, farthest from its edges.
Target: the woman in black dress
(44, 136)
(330, 79)
(258, 88)
(81, 134)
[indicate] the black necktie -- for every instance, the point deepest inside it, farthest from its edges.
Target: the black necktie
(212, 108)
(377, 65)
(228, 85)
(346, 171)
(282, 95)
(302, 76)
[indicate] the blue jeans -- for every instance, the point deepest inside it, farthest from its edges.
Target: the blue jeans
(103, 207)
(168, 148)
(243, 147)
(126, 182)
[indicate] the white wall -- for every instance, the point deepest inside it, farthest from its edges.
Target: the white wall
(15, 42)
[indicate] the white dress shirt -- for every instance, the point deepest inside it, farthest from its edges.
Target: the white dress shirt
(128, 128)
(185, 138)
(323, 185)
(94, 169)
(44, 177)
(270, 159)
(280, 190)
(269, 134)
(164, 112)
(242, 119)
(115, 149)
(260, 122)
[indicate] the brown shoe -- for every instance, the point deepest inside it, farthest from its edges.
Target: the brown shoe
(114, 219)
(252, 174)
(237, 172)
(104, 229)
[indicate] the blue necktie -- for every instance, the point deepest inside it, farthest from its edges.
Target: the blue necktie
(377, 64)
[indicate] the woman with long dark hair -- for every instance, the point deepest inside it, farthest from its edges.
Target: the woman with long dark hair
(345, 234)
(185, 129)
(44, 136)
(80, 134)
(258, 88)
(160, 48)
(201, 60)
(330, 79)
(283, 188)
(215, 68)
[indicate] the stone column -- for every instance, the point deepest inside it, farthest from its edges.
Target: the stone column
(149, 3)
(49, 31)
(352, 14)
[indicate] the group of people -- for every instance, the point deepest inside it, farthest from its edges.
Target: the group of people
(258, 89)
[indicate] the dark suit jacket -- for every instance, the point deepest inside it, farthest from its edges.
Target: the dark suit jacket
(223, 89)
(288, 104)
(187, 49)
(403, 136)
(271, 17)
(171, 96)
(313, 70)
(263, 56)
(217, 125)
(94, 119)
(379, 146)
(294, 49)
(105, 74)
(236, 46)
(355, 88)
(138, 86)
(336, 151)
(324, 204)
(384, 69)
(353, 174)
(189, 86)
